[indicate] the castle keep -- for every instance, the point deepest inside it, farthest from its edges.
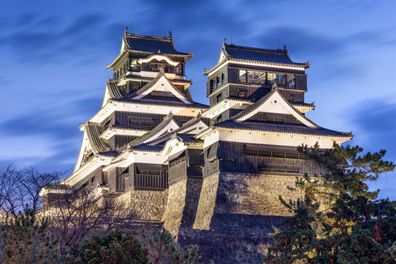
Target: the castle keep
(206, 173)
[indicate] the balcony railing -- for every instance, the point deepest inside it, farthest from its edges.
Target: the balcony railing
(157, 68)
(151, 181)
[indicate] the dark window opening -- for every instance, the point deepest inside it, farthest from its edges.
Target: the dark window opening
(140, 120)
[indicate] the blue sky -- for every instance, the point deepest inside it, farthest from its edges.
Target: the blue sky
(53, 56)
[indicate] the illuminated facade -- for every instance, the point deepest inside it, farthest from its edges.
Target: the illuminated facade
(184, 164)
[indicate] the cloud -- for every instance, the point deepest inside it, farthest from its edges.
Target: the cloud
(52, 39)
(374, 121)
(25, 149)
(3, 80)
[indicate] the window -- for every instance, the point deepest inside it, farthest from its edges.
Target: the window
(271, 76)
(242, 76)
(218, 97)
(281, 78)
(242, 92)
(140, 120)
(218, 81)
(211, 85)
(291, 83)
(256, 77)
(222, 78)
(107, 124)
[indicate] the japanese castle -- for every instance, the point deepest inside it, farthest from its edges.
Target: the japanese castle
(199, 170)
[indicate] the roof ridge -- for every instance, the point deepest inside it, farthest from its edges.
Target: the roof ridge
(165, 38)
(190, 122)
(264, 50)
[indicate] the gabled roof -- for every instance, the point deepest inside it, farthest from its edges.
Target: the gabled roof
(151, 44)
(185, 129)
(161, 83)
(238, 52)
(282, 128)
(163, 103)
(168, 123)
(273, 102)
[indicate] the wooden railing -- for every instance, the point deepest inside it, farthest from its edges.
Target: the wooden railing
(151, 181)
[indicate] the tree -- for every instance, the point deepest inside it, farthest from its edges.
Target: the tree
(20, 188)
(339, 220)
(115, 247)
(163, 249)
(74, 217)
(27, 240)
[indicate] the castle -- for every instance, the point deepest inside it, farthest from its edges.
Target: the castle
(211, 175)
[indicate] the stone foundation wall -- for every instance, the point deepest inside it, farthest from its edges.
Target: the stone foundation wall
(236, 216)
(256, 194)
(207, 202)
(194, 186)
(175, 206)
(146, 204)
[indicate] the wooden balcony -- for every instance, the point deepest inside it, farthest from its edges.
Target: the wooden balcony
(151, 181)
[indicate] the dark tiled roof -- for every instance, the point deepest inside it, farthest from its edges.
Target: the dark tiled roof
(130, 127)
(281, 128)
(257, 54)
(189, 123)
(151, 44)
(114, 91)
(149, 148)
(155, 130)
(188, 138)
(168, 103)
(97, 144)
(58, 187)
(303, 104)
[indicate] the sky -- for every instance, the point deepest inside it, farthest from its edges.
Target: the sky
(53, 57)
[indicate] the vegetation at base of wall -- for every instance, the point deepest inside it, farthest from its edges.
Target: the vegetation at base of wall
(83, 229)
(339, 220)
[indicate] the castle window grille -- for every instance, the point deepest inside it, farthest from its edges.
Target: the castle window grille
(149, 180)
(120, 183)
(140, 120)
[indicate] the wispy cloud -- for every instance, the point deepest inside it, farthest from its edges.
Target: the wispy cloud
(54, 54)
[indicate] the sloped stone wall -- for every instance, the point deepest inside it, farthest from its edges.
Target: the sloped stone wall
(237, 214)
(255, 194)
(207, 202)
(175, 206)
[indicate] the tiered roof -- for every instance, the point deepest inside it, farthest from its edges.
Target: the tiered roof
(274, 102)
(151, 44)
(170, 137)
(257, 54)
(282, 128)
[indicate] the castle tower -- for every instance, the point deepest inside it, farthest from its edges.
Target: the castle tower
(211, 176)
(147, 99)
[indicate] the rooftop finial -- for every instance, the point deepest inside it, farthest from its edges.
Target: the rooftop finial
(170, 34)
(225, 40)
(126, 30)
(284, 47)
